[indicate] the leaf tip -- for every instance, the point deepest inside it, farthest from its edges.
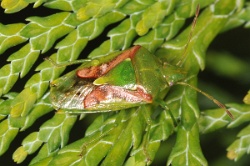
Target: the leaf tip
(19, 155)
(231, 154)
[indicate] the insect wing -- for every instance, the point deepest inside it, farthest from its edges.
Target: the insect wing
(113, 98)
(68, 91)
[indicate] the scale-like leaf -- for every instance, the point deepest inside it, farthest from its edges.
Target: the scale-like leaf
(31, 143)
(21, 107)
(44, 156)
(43, 32)
(137, 131)
(187, 150)
(9, 36)
(10, 73)
(56, 130)
(247, 98)
(63, 5)
(7, 134)
(213, 120)
(240, 146)
(150, 19)
(12, 6)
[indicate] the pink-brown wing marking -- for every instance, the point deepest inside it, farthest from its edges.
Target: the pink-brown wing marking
(98, 71)
(108, 93)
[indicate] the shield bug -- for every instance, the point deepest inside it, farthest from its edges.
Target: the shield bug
(121, 80)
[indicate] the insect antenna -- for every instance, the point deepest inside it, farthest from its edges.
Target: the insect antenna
(209, 97)
(65, 64)
(180, 63)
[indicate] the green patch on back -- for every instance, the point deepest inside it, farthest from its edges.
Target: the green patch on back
(122, 75)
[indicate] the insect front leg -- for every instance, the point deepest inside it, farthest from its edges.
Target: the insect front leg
(65, 64)
(150, 125)
(165, 107)
(145, 144)
(93, 141)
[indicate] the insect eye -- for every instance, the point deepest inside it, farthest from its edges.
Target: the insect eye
(171, 83)
(95, 62)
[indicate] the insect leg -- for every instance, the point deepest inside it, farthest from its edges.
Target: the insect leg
(189, 37)
(98, 136)
(145, 143)
(164, 106)
(95, 140)
(148, 119)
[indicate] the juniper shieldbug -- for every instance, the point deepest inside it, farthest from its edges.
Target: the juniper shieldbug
(121, 80)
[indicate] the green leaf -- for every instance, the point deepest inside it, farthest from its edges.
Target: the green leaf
(121, 35)
(7, 79)
(31, 143)
(167, 30)
(22, 104)
(7, 135)
(94, 27)
(41, 108)
(37, 2)
(105, 142)
(56, 130)
(5, 105)
(241, 113)
(43, 157)
(26, 56)
(61, 5)
(151, 19)
(187, 150)
(247, 98)
(12, 6)
(9, 73)
(98, 8)
(132, 7)
(10, 36)
(25, 122)
(240, 146)
(19, 155)
(215, 119)
(45, 31)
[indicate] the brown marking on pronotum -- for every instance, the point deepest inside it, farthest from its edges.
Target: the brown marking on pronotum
(98, 71)
(108, 92)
